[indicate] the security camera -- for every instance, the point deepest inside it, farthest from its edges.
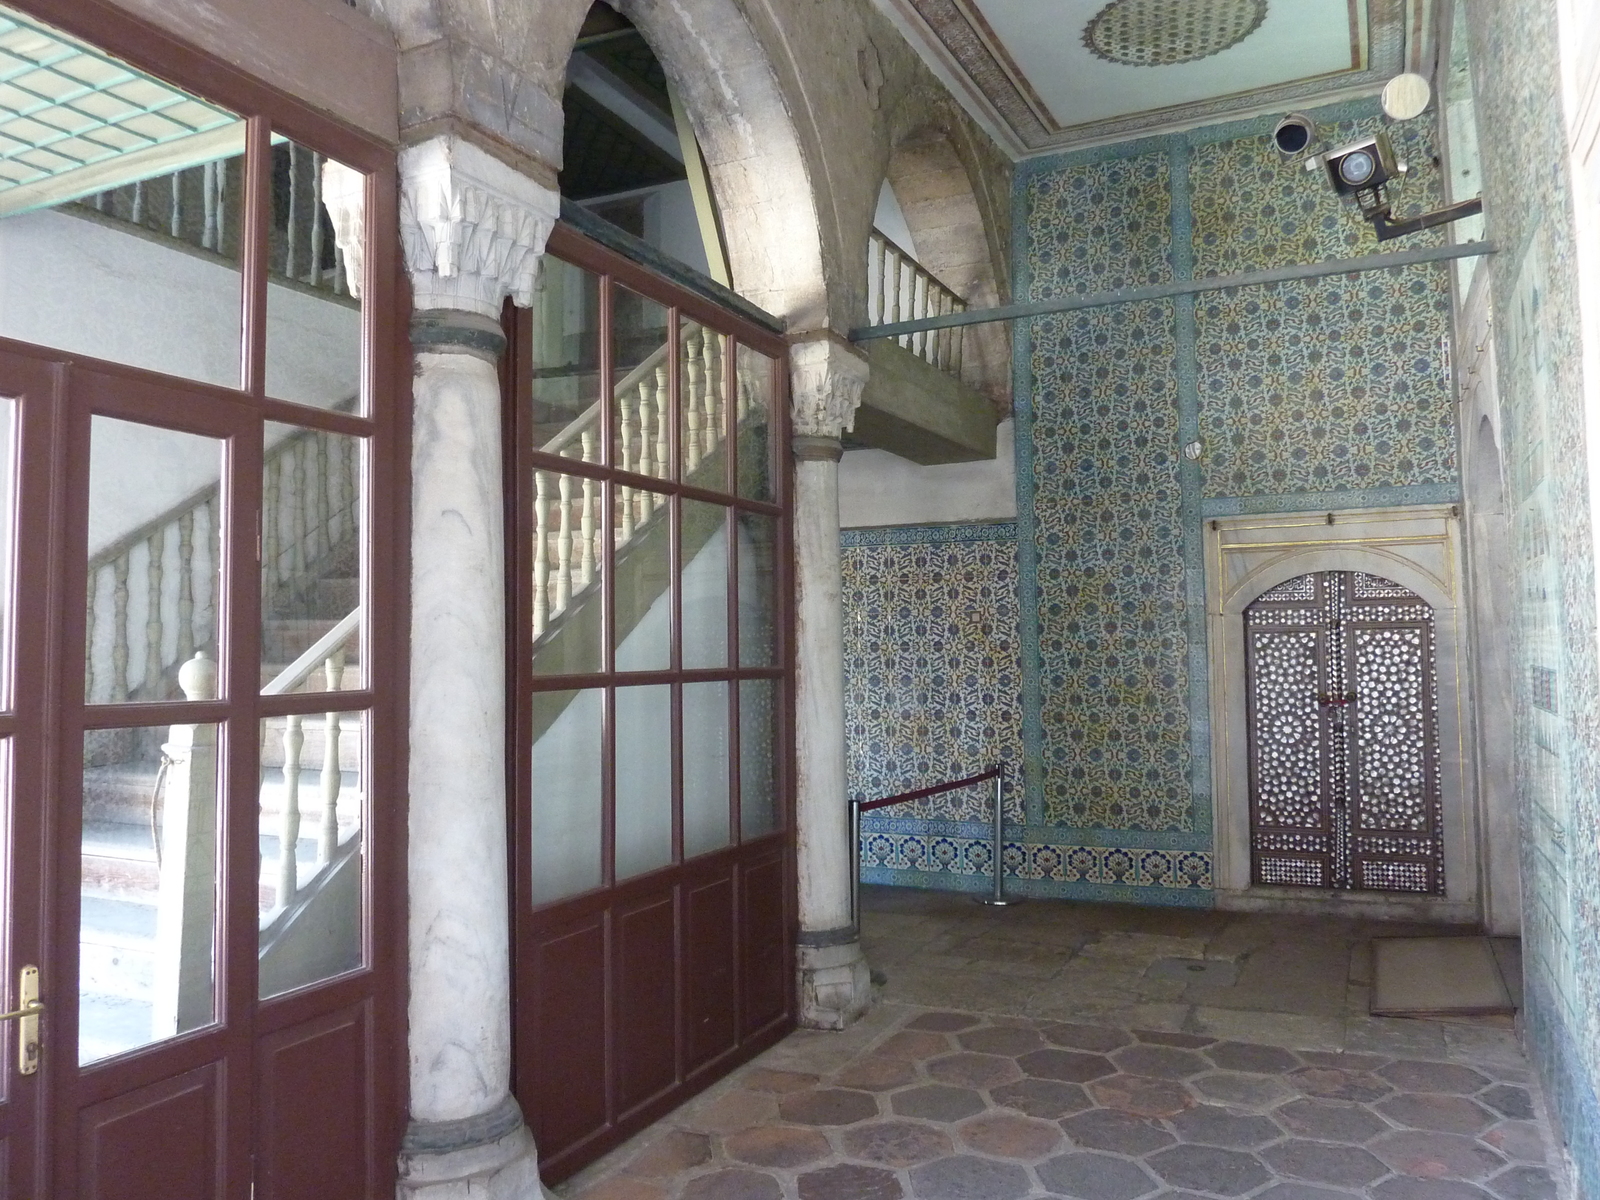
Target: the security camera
(1362, 166)
(1294, 135)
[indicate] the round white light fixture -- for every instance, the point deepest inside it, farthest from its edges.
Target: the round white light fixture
(1357, 167)
(1406, 96)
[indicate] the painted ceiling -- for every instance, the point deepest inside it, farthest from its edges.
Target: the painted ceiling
(1048, 75)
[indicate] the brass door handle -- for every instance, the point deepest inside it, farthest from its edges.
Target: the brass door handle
(28, 1015)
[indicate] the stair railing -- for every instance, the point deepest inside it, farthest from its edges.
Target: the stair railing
(328, 653)
(566, 509)
(899, 288)
(310, 498)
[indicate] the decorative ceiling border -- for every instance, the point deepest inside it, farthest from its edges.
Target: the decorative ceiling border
(955, 33)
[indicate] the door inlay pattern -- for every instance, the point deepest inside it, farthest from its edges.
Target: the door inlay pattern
(1343, 730)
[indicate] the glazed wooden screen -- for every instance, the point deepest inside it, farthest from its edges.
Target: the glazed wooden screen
(650, 631)
(1343, 728)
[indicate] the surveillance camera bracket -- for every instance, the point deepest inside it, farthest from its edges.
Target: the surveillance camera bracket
(1387, 228)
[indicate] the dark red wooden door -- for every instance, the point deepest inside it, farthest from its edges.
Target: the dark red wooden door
(653, 858)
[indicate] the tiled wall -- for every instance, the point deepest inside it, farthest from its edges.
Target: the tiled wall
(1328, 395)
(1538, 339)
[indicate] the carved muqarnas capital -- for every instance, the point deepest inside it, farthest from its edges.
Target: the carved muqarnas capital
(827, 377)
(472, 228)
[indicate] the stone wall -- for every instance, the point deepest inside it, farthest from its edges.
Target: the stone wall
(1534, 279)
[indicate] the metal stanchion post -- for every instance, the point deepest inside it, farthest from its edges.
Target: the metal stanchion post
(997, 866)
(855, 864)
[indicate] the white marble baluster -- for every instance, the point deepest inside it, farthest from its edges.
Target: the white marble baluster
(625, 494)
(710, 409)
(711, 353)
(563, 547)
(588, 523)
(693, 414)
(289, 815)
(663, 431)
(186, 586)
(541, 552)
(271, 537)
(332, 772)
(155, 546)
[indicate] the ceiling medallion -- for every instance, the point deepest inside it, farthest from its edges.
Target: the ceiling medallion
(1159, 33)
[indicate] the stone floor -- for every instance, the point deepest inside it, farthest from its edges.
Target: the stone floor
(1107, 1053)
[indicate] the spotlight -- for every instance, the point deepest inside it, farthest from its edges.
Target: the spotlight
(1362, 166)
(1294, 135)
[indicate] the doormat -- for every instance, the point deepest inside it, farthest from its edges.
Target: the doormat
(1437, 977)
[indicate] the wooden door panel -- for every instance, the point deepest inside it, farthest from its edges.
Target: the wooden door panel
(160, 1142)
(568, 1102)
(646, 1023)
(316, 1109)
(709, 990)
(764, 947)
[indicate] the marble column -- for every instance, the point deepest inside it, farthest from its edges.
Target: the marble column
(473, 230)
(835, 983)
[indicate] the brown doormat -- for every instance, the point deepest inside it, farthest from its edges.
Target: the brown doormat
(1437, 977)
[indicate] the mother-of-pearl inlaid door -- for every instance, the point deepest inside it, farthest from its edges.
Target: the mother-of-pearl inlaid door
(1343, 730)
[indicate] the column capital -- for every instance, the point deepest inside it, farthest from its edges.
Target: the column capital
(472, 227)
(827, 375)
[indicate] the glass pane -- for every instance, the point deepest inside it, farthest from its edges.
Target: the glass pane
(758, 751)
(641, 399)
(566, 362)
(8, 521)
(121, 208)
(753, 409)
(644, 779)
(567, 805)
(642, 589)
(568, 560)
(704, 394)
(154, 581)
(705, 767)
(758, 583)
(704, 541)
(311, 556)
(314, 261)
(313, 794)
(146, 935)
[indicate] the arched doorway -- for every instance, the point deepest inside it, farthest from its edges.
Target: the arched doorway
(1342, 724)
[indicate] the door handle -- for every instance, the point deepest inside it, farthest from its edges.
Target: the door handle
(27, 1016)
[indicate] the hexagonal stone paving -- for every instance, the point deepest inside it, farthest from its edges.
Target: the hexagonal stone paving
(828, 1106)
(850, 1181)
(1509, 1101)
(944, 1022)
(777, 1146)
(974, 1070)
(733, 1184)
(1070, 1066)
(1338, 1083)
(1210, 1169)
(1411, 1075)
(1319, 1162)
(1524, 1183)
(1436, 1155)
(1329, 1121)
(912, 1045)
(875, 1074)
(1254, 1091)
(1006, 1136)
(1087, 1175)
(896, 1143)
(1211, 1125)
(1002, 1039)
(1403, 1187)
(1048, 1098)
(1433, 1110)
(1141, 1096)
(967, 1177)
(1094, 1038)
(1160, 1062)
(1107, 1129)
(937, 1102)
(1242, 1056)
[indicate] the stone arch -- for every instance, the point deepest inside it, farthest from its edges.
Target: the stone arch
(752, 151)
(934, 183)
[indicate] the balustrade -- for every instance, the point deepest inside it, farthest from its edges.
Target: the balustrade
(567, 513)
(901, 289)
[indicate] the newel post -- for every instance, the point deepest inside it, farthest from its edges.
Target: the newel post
(473, 230)
(835, 984)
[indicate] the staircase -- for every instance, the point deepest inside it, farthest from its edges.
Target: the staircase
(309, 901)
